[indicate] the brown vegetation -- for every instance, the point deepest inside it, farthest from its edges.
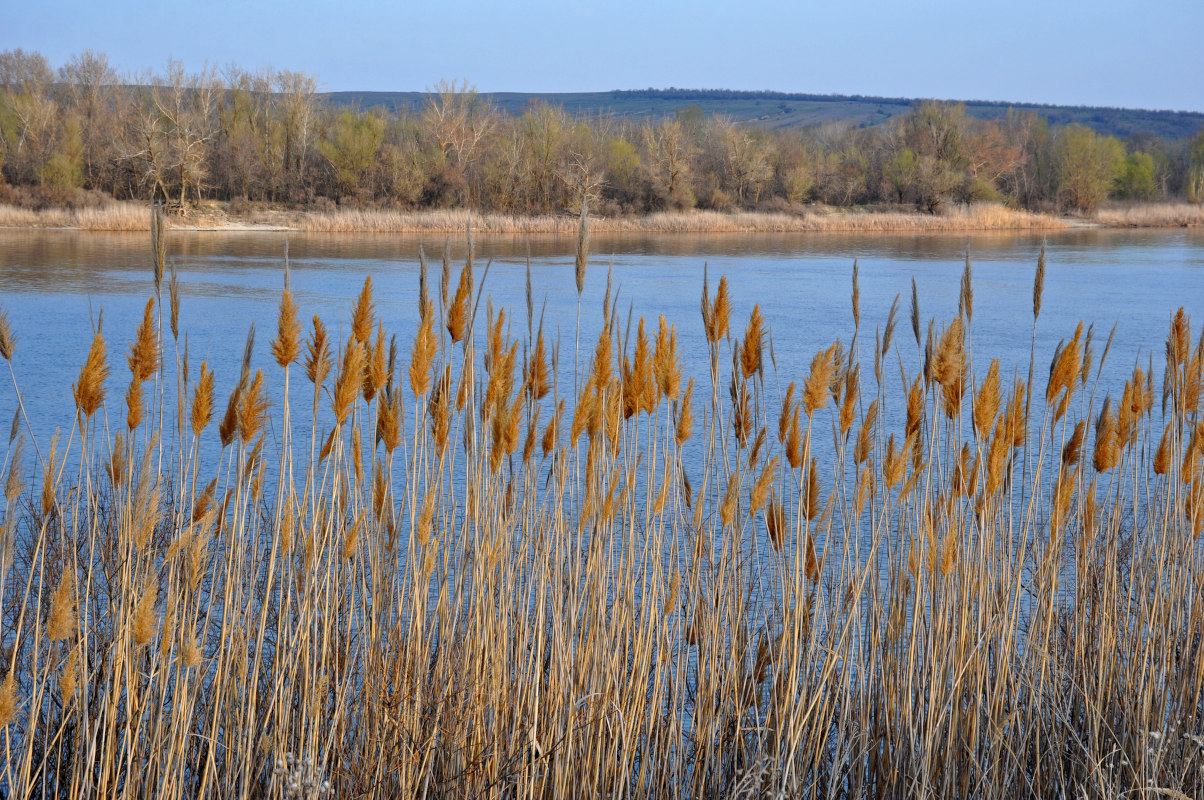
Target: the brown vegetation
(681, 593)
(182, 138)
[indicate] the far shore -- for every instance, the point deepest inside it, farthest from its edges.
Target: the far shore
(133, 217)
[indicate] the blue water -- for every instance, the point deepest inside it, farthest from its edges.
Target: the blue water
(54, 285)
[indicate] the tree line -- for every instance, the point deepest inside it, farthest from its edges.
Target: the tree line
(181, 137)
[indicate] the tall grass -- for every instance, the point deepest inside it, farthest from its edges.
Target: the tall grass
(1152, 215)
(131, 217)
(114, 217)
(977, 217)
(462, 584)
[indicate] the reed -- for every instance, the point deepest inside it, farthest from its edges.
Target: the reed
(977, 217)
(464, 584)
(1152, 215)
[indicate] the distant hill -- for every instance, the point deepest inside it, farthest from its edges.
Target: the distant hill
(786, 110)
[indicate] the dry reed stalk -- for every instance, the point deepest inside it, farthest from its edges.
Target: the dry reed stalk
(605, 618)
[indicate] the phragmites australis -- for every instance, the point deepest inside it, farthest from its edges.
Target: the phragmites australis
(362, 321)
(856, 298)
(457, 312)
(8, 342)
(145, 352)
(202, 400)
(665, 360)
(965, 300)
(721, 312)
(89, 390)
(750, 352)
(253, 408)
(582, 244)
(347, 383)
(422, 356)
(318, 361)
(286, 347)
(817, 386)
(986, 404)
(1039, 283)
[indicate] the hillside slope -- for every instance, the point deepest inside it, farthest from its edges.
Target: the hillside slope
(782, 110)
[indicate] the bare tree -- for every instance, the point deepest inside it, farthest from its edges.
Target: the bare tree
(296, 96)
(669, 152)
(188, 104)
(89, 82)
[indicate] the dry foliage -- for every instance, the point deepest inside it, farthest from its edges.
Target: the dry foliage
(462, 594)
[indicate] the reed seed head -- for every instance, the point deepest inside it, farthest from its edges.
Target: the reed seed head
(362, 317)
(145, 352)
(347, 383)
(253, 408)
(318, 362)
(750, 353)
(1039, 283)
(582, 244)
(8, 697)
(8, 342)
(286, 347)
(89, 390)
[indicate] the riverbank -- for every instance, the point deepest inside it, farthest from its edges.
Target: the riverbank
(980, 217)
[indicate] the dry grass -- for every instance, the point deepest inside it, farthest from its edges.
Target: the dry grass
(114, 217)
(1152, 215)
(131, 217)
(491, 590)
(979, 217)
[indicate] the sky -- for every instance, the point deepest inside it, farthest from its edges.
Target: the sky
(1104, 53)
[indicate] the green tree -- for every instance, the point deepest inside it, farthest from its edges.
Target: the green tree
(901, 173)
(351, 145)
(65, 167)
(1085, 167)
(1136, 178)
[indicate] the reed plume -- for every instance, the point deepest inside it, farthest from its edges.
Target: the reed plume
(89, 390)
(1039, 283)
(317, 361)
(252, 408)
(582, 244)
(750, 353)
(719, 312)
(362, 316)
(145, 352)
(816, 387)
(8, 342)
(457, 313)
(286, 347)
(347, 383)
(202, 400)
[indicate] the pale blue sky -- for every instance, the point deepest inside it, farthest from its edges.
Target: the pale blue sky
(1101, 53)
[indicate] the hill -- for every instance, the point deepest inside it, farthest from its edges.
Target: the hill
(788, 110)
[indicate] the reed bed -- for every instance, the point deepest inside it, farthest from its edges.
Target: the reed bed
(1152, 215)
(132, 217)
(856, 582)
(113, 217)
(981, 216)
